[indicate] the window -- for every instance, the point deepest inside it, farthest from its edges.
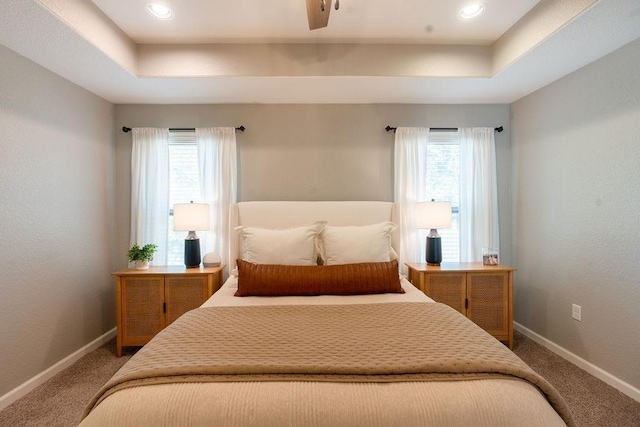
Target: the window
(200, 165)
(184, 186)
(442, 183)
(459, 167)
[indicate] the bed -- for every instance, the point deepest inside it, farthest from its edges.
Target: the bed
(326, 353)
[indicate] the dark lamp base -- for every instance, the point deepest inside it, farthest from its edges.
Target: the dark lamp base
(192, 253)
(434, 250)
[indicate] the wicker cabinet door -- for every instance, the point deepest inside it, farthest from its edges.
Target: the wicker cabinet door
(141, 311)
(184, 293)
(447, 288)
(488, 302)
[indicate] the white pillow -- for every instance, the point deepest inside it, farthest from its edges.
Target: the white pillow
(289, 246)
(356, 244)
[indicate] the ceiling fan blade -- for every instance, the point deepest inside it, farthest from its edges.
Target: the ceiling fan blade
(317, 17)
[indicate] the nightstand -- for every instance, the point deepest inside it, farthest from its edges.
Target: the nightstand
(147, 301)
(482, 293)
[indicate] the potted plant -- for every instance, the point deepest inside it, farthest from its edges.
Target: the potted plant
(142, 255)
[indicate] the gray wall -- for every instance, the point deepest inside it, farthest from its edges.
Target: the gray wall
(56, 210)
(312, 152)
(576, 162)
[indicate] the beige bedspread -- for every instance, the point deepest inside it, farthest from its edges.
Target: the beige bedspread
(374, 343)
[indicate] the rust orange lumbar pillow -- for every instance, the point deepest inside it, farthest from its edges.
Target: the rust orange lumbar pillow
(307, 280)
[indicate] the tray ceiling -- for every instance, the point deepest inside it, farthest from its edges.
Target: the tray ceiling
(250, 51)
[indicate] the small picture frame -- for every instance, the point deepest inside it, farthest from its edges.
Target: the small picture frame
(489, 256)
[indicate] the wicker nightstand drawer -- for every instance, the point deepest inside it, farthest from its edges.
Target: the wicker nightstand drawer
(482, 293)
(147, 301)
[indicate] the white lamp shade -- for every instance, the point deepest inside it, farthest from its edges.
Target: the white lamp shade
(191, 217)
(434, 214)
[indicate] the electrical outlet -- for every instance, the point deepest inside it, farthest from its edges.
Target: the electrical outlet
(576, 312)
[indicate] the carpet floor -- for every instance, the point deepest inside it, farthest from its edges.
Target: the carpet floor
(61, 400)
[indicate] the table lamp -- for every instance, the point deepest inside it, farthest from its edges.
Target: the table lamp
(191, 217)
(433, 215)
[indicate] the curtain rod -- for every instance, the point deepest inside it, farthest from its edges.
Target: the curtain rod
(391, 128)
(238, 129)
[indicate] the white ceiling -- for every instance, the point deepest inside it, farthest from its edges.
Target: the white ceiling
(357, 21)
(373, 51)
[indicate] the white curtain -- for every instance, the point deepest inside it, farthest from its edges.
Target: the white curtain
(410, 176)
(478, 193)
(150, 190)
(217, 163)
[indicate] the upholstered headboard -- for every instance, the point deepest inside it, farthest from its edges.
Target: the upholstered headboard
(293, 214)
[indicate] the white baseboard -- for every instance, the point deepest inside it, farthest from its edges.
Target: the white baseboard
(47, 374)
(597, 372)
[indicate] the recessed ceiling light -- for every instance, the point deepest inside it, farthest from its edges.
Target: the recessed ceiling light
(159, 11)
(472, 11)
